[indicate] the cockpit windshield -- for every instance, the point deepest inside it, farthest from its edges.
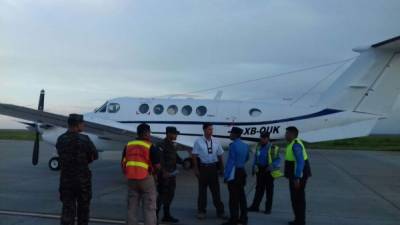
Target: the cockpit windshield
(113, 107)
(102, 108)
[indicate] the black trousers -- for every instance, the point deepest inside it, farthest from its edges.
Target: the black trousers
(298, 199)
(237, 197)
(208, 178)
(265, 183)
(166, 192)
(75, 199)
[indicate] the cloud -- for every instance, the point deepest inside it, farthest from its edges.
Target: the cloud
(84, 52)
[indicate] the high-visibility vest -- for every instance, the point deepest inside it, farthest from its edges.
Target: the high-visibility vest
(289, 155)
(290, 160)
(273, 152)
(136, 162)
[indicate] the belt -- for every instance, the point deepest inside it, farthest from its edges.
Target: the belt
(208, 164)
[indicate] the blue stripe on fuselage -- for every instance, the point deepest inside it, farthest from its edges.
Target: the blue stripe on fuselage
(291, 119)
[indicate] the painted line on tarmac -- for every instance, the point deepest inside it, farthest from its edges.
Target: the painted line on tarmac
(56, 216)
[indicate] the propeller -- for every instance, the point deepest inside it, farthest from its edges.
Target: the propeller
(36, 146)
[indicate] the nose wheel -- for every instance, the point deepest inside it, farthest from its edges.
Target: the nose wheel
(54, 163)
(187, 164)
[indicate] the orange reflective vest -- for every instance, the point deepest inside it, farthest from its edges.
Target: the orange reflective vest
(136, 162)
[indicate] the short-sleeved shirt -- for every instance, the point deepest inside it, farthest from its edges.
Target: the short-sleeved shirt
(207, 150)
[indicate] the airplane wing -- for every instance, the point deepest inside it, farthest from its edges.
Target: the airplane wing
(105, 129)
(100, 127)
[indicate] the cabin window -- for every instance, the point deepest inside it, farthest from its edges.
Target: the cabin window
(201, 110)
(158, 109)
(102, 108)
(144, 108)
(172, 109)
(255, 112)
(187, 110)
(113, 107)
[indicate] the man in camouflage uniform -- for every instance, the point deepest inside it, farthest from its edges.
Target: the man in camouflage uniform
(167, 177)
(76, 152)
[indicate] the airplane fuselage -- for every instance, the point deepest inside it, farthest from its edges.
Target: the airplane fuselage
(188, 115)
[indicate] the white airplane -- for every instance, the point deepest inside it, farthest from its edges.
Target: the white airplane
(362, 95)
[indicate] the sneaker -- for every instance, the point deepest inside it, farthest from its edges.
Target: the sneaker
(170, 219)
(201, 216)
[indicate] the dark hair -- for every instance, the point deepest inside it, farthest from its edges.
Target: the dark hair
(206, 125)
(142, 129)
(293, 130)
(265, 134)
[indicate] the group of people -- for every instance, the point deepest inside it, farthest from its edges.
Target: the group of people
(151, 170)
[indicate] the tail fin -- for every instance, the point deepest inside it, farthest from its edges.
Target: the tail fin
(371, 84)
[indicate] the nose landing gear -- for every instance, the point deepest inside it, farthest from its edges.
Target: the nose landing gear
(54, 163)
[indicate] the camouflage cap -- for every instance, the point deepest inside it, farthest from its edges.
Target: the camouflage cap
(74, 119)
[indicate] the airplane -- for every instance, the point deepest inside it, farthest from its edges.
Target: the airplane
(351, 106)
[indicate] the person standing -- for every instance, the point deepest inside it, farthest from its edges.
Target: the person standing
(76, 152)
(166, 182)
(140, 161)
(235, 176)
(297, 170)
(207, 165)
(266, 161)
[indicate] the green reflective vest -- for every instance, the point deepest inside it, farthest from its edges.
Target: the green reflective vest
(289, 155)
(273, 153)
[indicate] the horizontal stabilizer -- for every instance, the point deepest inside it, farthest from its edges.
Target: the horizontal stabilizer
(390, 44)
(352, 130)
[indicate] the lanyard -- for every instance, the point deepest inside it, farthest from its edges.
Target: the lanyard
(209, 148)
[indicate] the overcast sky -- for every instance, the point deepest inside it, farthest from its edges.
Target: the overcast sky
(85, 52)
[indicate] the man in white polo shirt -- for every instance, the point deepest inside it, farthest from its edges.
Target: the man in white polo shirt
(208, 164)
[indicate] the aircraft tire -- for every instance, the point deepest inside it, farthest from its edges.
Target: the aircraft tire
(187, 164)
(54, 163)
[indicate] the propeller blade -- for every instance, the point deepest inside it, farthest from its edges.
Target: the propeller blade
(35, 155)
(41, 101)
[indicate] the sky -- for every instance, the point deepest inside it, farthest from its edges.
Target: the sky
(85, 52)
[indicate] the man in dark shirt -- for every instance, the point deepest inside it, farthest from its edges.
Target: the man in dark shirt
(76, 152)
(167, 176)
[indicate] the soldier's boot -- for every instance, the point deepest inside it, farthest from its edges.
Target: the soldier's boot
(68, 213)
(167, 216)
(83, 212)
(68, 207)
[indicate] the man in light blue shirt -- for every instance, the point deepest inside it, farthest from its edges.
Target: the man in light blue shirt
(235, 176)
(207, 165)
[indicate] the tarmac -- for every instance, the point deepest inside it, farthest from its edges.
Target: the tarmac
(347, 188)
